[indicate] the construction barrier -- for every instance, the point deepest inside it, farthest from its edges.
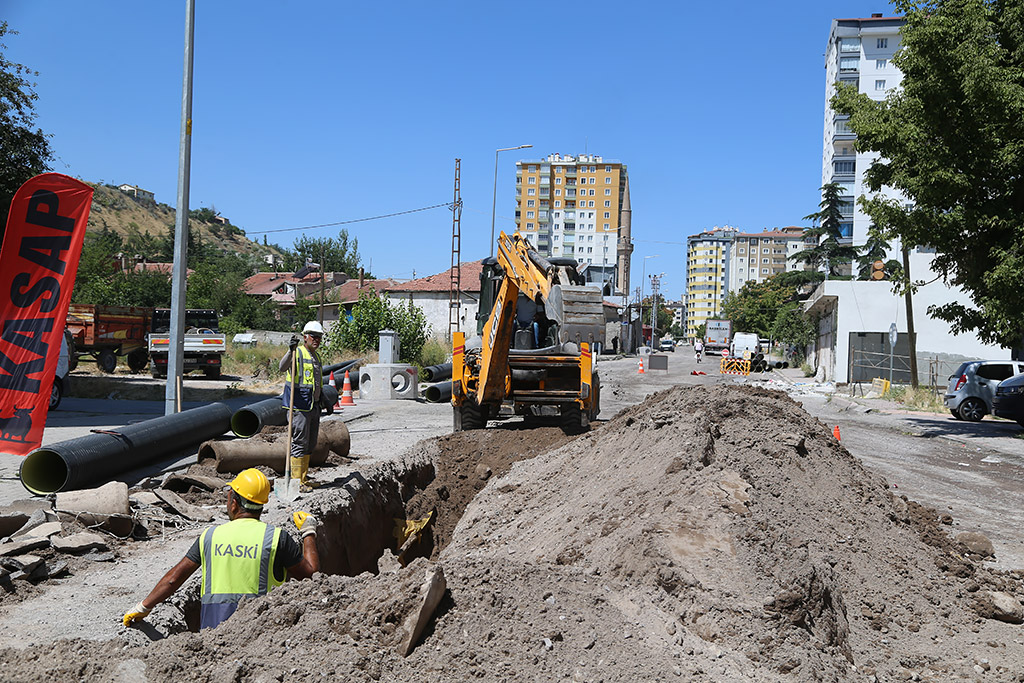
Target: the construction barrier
(880, 385)
(735, 366)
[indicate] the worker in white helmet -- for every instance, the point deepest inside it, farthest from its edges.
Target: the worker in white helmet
(304, 361)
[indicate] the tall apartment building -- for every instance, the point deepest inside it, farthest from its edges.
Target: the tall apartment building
(860, 53)
(708, 256)
(578, 207)
(756, 256)
(721, 260)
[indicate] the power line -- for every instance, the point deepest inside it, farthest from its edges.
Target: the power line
(349, 222)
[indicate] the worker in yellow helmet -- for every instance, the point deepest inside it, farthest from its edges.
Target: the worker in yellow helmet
(304, 395)
(240, 558)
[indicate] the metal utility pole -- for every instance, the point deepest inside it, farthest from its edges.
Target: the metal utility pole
(455, 274)
(176, 353)
(911, 339)
(655, 290)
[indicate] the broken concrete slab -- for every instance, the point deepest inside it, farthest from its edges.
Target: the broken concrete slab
(44, 530)
(119, 525)
(79, 543)
(22, 547)
(181, 482)
(183, 508)
(24, 563)
(35, 519)
(109, 499)
(54, 569)
(431, 592)
(1000, 605)
(144, 498)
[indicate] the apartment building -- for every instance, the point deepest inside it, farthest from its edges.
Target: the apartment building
(757, 256)
(578, 207)
(708, 258)
(859, 53)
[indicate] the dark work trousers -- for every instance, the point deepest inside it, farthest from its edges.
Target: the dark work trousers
(305, 431)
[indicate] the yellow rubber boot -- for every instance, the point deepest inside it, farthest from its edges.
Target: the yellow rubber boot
(297, 471)
(305, 471)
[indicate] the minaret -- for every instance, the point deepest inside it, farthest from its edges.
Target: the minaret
(625, 245)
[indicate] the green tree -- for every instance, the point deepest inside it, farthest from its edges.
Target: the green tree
(757, 305)
(24, 149)
(373, 313)
(793, 326)
(339, 254)
(875, 249)
(951, 139)
(830, 252)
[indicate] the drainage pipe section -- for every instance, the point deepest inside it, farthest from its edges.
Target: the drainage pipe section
(249, 420)
(100, 457)
(438, 393)
(237, 455)
(437, 373)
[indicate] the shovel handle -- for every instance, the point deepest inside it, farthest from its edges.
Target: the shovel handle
(291, 412)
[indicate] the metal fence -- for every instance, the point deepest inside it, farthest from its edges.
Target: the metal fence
(865, 366)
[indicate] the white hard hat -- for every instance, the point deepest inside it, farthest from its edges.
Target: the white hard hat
(313, 327)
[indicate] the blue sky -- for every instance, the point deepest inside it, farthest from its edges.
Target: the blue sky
(319, 112)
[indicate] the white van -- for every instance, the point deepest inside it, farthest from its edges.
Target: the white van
(745, 345)
(62, 378)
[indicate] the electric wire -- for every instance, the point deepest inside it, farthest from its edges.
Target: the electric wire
(351, 221)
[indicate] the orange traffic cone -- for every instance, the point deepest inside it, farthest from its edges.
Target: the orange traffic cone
(346, 393)
(835, 433)
(332, 383)
(641, 370)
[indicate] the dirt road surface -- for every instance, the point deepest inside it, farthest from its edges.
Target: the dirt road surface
(715, 532)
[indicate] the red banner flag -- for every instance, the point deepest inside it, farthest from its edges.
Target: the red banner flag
(38, 264)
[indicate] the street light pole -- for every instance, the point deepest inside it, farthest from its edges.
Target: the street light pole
(494, 200)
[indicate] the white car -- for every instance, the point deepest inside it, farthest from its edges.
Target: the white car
(62, 378)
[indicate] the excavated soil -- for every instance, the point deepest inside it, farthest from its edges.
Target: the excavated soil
(708, 534)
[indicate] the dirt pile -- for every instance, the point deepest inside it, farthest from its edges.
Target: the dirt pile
(707, 534)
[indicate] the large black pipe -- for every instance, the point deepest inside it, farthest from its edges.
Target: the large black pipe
(248, 421)
(340, 367)
(98, 458)
(436, 373)
(438, 393)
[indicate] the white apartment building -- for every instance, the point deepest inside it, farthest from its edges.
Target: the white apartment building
(576, 207)
(860, 53)
(756, 256)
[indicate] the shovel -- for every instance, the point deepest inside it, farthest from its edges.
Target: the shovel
(287, 489)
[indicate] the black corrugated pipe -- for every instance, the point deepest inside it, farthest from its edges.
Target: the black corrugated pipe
(248, 421)
(340, 367)
(437, 373)
(438, 393)
(98, 458)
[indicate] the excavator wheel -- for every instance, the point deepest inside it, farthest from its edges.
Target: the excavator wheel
(572, 420)
(469, 416)
(595, 401)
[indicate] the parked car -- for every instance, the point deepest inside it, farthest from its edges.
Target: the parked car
(973, 387)
(1009, 399)
(667, 345)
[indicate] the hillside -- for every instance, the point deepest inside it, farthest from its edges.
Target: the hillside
(128, 216)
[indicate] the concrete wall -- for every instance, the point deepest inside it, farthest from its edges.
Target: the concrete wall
(865, 306)
(435, 308)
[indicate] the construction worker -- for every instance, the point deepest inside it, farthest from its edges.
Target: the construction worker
(239, 558)
(304, 360)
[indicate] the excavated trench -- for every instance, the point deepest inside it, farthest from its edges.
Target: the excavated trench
(359, 512)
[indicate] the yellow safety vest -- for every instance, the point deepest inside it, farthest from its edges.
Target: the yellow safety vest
(237, 560)
(309, 380)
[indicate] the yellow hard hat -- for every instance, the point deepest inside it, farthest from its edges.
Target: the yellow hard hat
(252, 485)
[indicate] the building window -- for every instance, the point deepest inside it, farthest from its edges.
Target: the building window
(842, 167)
(882, 43)
(608, 169)
(843, 127)
(529, 214)
(591, 194)
(607, 202)
(533, 169)
(558, 203)
(607, 191)
(607, 226)
(881, 63)
(848, 65)
(608, 180)
(556, 238)
(531, 202)
(591, 204)
(880, 84)
(531, 192)
(529, 226)
(558, 193)
(558, 181)
(607, 214)
(556, 214)
(846, 230)
(846, 208)
(848, 45)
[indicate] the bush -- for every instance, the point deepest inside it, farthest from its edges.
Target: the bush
(373, 313)
(435, 351)
(922, 398)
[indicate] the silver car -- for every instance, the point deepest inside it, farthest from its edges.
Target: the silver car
(973, 386)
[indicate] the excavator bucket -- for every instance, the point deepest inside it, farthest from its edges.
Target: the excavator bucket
(579, 312)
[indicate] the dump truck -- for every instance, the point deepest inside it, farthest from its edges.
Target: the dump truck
(531, 356)
(204, 344)
(717, 335)
(106, 332)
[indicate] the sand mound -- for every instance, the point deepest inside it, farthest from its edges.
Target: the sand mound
(706, 534)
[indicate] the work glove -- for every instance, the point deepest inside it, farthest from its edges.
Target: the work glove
(293, 343)
(137, 613)
(305, 523)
